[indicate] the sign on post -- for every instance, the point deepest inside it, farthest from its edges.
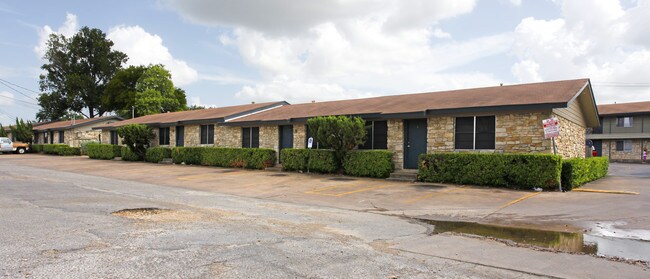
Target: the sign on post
(310, 142)
(551, 127)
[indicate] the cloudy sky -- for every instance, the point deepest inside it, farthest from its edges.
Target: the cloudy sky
(227, 52)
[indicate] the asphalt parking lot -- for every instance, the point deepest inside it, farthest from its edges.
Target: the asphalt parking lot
(568, 211)
(63, 217)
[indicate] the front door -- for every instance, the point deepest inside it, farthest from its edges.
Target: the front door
(598, 145)
(286, 138)
(180, 135)
(415, 141)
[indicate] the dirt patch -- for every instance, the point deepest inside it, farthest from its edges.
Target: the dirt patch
(168, 215)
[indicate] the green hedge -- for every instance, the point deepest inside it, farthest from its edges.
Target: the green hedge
(128, 155)
(36, 148)
(52, 148)
(102, 151)
(369, 163)
(252, 158)
(157, 154)
(68, 151)
(519, 171)
(578, 171)
(316, 160)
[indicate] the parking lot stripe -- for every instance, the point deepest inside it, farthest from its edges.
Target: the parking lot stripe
(519, 199)
(605, 191)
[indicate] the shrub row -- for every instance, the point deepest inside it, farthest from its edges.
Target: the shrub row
(369, 163)
(103, 151)
(518, 171)
(252, 158)
(128, 155)
(157, 154)
(52, 148)
(36, 148)
(56, 149)
(578, 171)
(316, 160)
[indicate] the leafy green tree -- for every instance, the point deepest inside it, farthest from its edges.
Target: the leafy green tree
(149, 90)
(22, 131)
(137, 137)
(3, 133)
(76, 74)
(120, 92)
(195, 107)
(340, 133)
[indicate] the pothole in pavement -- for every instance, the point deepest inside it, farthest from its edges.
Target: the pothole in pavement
(634, 251)
(143, 211)
(154, 214)
(278, 174)
(341, 179)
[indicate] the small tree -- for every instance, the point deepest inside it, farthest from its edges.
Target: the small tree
(22, 131)
(137, 137)
(3, 133)
(340, 133)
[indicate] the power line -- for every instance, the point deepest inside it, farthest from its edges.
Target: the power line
(16, 90)
(18, 100)
(20, 86)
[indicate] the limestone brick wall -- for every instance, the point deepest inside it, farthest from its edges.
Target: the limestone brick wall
(226, 136)
(154, 141)
(521, 133)
(172, 136)
(299, 135)
(192, 135)
(395, 141)
(74, 138)
(270, 137)
(634, 155)
(106, 137)
(440, 134)
(571, 142)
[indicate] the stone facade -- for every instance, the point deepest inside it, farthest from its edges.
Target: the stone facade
(270, 137)
(299, 136)
(192, 135)
(571, 142)
(632, 156)
(395, 141)
(521, 133)
(227, 136)
(440, 134)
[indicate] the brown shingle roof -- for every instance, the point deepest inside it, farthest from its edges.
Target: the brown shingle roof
(557, 93)
(195, 115)
(69, 123)
(624, 108)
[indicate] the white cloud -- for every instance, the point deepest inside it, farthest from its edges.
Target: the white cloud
(196, 101)
(347, 49)
(6, 99)
(68, 29)
(516, 2)
(144, 48)
(596, 39)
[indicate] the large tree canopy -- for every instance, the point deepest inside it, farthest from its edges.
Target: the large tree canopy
(149, 90)
(76, 74)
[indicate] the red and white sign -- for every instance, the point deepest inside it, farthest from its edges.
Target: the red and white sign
(551, 127)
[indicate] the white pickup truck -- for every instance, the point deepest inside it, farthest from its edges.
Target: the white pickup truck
(6, 145)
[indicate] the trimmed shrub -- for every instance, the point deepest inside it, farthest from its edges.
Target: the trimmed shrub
(128, 155)
(316, 160)
(369, 163)
(52, 148)
(157, 154)
(84, 144)
(578, 171)
(518, 171)
(117, 150)
(36, 148)
(68, 151)
(102, 151)
(252, 158)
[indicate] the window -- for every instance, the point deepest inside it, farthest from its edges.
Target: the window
(376, 135)
(207, 134)
(61, 137)
(45, 138)
(35, 137)
(623, 145)
(625, 122)
(250, 137)
(163, 136)
(475, 132)
(114, 137)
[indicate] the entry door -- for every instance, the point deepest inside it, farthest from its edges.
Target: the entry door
(180, 135)
(598, 144)
(286, 138)
(415, 141)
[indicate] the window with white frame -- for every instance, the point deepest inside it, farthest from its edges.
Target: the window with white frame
(475, 132)
(624, 145)
(625, 122)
